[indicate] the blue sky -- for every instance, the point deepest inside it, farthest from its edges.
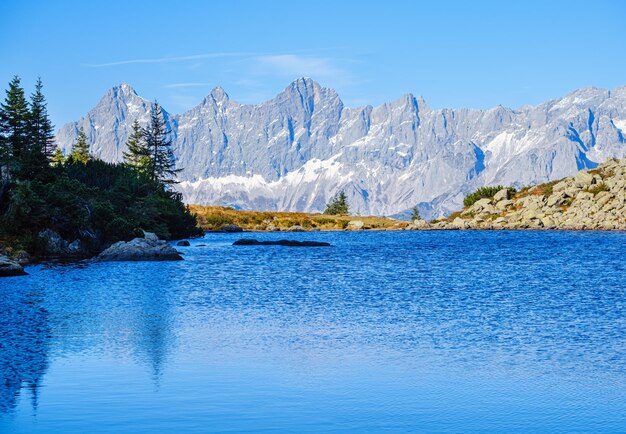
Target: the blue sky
(454, 54)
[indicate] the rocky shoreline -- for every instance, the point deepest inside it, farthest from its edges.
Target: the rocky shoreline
(148, 248)
(590, 200)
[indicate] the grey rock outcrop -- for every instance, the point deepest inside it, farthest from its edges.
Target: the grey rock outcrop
(22, 257)
(294, 152)
(594, 200)
(504, 194)
(55, 245)
(355, 225)
(419, 224)
(296, 228)
(149, 248)
(9, 267)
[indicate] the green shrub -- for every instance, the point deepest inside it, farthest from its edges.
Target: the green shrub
(598, 188)
(482, 193)
(107, 200)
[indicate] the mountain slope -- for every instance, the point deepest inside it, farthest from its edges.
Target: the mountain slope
(295, 151)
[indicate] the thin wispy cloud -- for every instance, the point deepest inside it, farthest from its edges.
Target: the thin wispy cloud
(293, 65)
(165, 59)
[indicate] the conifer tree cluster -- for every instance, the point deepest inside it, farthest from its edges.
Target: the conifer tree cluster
(150, 149)
(338, 204)
(26, 134)
(81, 197)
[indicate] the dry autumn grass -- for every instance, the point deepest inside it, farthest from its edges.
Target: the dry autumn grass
(212, 218)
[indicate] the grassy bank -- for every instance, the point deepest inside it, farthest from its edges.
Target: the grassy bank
(212, 218)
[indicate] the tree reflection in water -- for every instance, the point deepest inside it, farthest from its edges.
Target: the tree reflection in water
(24, 344)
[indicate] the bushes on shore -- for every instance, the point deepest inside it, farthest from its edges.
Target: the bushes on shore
(484, 192)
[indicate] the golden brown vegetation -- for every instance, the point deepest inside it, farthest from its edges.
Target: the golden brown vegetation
(212, 218)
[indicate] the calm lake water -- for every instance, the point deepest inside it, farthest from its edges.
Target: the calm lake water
(397, 331)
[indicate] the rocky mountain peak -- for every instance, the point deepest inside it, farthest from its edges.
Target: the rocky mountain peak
(121, 91)
(295, 151)
(304, 85)
(218, 94)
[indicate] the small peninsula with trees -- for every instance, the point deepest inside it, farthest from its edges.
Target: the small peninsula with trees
(51, 205)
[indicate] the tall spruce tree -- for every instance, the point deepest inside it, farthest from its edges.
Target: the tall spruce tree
(80, 150)
(158, 142)
(138, 155)
(41, 144)
(14, 130)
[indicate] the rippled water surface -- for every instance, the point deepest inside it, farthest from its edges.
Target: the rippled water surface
(399, 331)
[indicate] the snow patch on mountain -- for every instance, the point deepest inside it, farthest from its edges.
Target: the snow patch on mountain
(295, 151)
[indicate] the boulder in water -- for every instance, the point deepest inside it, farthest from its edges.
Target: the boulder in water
(149, 248)
(9, 267)
(183, 243)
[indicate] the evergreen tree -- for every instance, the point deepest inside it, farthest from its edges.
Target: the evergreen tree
(338, 205)
(14, 129)
(58, 158)
(80, 150)
(163, 163)
(415, 214)
(41, 132)
(138, 155)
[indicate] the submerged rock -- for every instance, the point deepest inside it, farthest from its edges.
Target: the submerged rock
(183, 243)
(289, 243)
(149, 248)
(9, 267)
(231, 228)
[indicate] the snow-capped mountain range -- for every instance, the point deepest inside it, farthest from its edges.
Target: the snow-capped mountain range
(295, 151)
